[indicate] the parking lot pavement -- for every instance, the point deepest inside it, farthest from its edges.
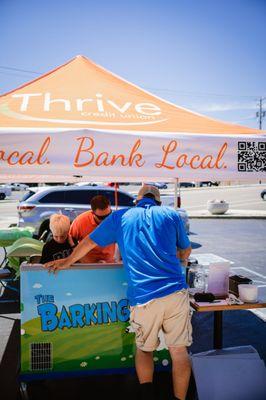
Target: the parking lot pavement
(5, 222)
(241, 241)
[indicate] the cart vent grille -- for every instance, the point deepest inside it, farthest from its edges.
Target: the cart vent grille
(40, 356)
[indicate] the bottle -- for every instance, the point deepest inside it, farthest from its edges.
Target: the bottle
(191, 274)
(199, 278)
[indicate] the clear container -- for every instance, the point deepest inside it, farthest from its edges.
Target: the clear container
(196, 278)
(191, 276)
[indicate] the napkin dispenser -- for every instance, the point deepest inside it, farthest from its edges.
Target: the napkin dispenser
(236, 280)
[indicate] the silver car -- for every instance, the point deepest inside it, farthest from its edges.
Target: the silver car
(38, 204)
(19, 186)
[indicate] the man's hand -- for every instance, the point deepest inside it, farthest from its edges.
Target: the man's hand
(55, 266)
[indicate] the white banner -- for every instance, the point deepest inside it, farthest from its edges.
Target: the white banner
(125, 156)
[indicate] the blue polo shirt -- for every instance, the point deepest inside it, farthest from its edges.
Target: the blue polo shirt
(147, 236)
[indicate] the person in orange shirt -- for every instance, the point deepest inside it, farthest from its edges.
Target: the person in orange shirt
(86, 222)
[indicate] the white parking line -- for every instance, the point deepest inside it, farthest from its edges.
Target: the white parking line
(250, 270)
(243, 202)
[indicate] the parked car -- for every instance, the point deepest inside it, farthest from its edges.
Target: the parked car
(263, 194)
(19, 186)
(168, 201)
(5, 191)
(39, 203)
(86, 184)
(187, 184)
(209, 183)
(159, 185)
(31, 191)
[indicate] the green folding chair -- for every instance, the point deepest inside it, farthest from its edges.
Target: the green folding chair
(23, 249)
(9, 235)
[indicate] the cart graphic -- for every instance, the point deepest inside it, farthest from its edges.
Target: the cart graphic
(77, 322)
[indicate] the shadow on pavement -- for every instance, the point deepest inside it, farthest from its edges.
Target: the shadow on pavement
(195, 245)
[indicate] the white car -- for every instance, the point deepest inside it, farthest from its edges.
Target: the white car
(5, 190)
(159, 185)
(19, 186)
(168, 201)
(39, 203)
(88, 184)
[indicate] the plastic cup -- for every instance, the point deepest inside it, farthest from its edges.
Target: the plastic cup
(248, 293)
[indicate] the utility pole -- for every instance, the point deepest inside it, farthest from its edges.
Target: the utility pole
(260, 114)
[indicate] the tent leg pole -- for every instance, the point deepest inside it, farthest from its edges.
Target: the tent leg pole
(177, 194)
(116, 196)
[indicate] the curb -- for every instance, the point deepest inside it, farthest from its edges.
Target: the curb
(8, 201)
(227, 216)
(230, 214)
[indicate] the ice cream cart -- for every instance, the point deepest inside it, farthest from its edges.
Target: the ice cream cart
(77, 322)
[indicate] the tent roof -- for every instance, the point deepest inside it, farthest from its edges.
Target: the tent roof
(81, 94)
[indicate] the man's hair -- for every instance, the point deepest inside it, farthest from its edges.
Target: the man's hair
(99, 202)
(151, 196)
(59, 224)
(149, 189)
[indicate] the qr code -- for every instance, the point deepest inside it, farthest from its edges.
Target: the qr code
(251, 156)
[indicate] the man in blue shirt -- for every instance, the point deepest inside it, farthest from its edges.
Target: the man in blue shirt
(152, 242)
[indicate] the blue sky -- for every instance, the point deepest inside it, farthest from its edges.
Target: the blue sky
(208, 55)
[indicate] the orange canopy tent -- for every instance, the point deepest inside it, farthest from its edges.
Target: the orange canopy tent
(80, 121)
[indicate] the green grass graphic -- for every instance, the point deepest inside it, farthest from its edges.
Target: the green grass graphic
(94, 347)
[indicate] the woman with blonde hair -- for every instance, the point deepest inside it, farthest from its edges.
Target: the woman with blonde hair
(62, 244)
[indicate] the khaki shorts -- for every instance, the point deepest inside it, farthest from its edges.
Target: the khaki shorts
(171, 314)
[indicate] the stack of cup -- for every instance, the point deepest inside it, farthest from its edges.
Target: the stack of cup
(248, 293)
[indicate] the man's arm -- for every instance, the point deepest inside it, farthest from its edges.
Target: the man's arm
(184, 254)
(82, 248)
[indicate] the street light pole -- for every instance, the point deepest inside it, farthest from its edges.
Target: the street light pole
(260, 114)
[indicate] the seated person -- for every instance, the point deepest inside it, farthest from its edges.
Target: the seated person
(62, 244)
(86, 222)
